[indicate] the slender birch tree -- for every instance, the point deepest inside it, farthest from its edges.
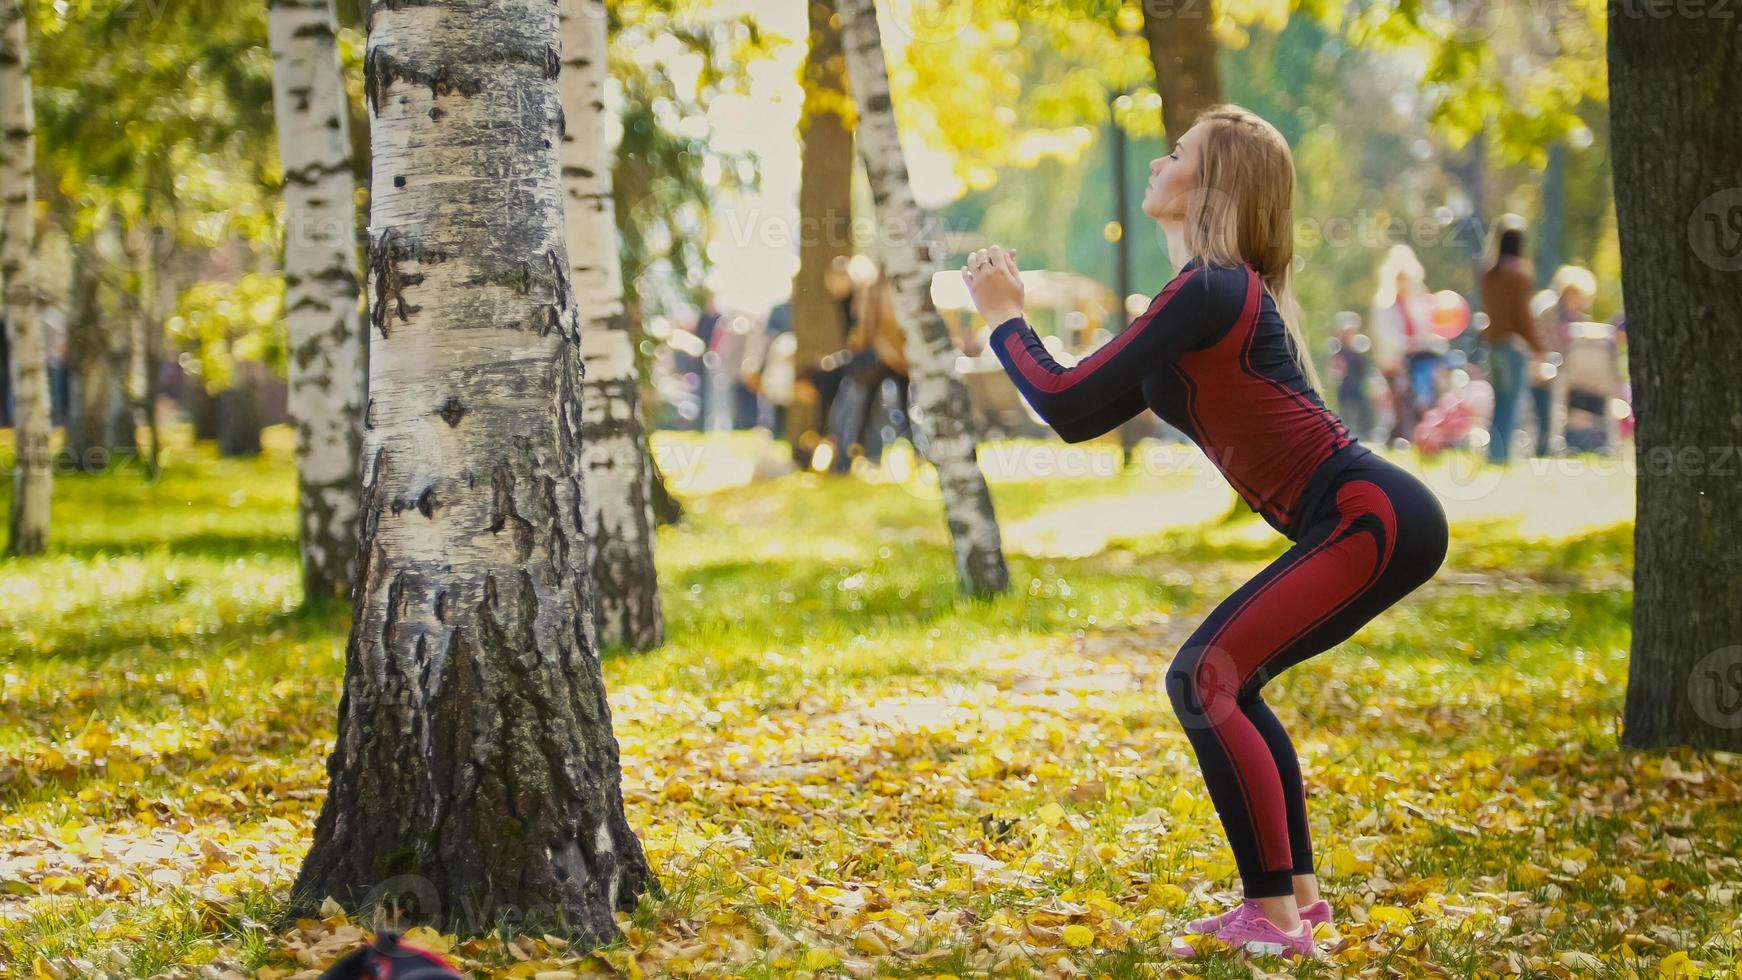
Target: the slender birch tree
(940, 397)
(321, 288)
(32, 469)
(475, 768)
(614, 459)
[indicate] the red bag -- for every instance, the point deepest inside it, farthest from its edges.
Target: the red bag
(390, 959)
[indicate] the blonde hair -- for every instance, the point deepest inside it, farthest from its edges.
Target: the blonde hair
(1242, 210)
(1576, 276)
(1399, 260)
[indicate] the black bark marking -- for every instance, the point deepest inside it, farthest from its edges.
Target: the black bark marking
(546, 318)
(466, 77)
(385, 255)
(426, 502)
(505, 514)
(452, 411)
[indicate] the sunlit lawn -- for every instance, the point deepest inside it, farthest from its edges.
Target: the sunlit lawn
(838, 764)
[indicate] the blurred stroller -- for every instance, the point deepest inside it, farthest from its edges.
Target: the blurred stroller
(1448, 423)
(1595, 391)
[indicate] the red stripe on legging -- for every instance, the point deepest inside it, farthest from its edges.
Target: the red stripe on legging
(1199, 681)
(1287, 600)
(1051, 382)
(1388, 518)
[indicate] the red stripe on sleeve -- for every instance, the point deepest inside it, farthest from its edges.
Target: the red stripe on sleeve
(1054, 382)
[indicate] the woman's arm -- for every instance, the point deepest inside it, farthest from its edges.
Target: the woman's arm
(1189, 312)
(1105, 419)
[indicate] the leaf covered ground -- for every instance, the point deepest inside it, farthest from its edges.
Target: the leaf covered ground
(838, 766)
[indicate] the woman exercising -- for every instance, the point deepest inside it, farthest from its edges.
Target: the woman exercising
(1218, 354)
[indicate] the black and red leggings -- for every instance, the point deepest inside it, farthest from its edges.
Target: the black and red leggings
(1377, 533)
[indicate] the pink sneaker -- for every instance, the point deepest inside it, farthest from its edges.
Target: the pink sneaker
(1315, 915)
(1247, 929)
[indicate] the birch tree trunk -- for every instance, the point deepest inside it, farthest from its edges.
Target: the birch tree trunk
(825, 222)
(475, 768)
(1674, 84)
(614, 460)
(940, 397)
(32, 468)
(321, 289)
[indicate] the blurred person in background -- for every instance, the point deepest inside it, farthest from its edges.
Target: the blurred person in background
(1402, 323)
(54, 337)
(5, 374)
(1352, 367)
(826, 378)
(707, 323)
(880, 356)
(737, 345)
(1507, 283)
(1572, 290)
(768, 369)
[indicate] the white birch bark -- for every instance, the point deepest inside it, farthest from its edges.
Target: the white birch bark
(475, 765)
(614, 459)
(32, 467)
(321, 287)
(938, 391)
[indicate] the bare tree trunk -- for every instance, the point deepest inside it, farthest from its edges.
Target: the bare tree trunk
(1182, 46)
(147, 328)
(1674, 84)
(614, 460)
(940, 398)
(239, 408)
(32, 469)
(475, 768)
(93, 385)
(825, 222)
(321, 289)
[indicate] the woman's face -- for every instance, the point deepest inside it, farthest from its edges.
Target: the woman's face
(1171, 179)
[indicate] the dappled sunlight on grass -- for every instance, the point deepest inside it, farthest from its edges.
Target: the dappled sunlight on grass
(840, 764)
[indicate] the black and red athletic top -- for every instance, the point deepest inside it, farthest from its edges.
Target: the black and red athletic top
(1212, 357)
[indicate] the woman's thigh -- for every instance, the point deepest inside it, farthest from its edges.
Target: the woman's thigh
(1383, 537)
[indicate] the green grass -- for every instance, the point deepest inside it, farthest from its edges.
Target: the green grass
(829, 709)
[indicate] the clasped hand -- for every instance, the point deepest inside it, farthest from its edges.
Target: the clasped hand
(994, 284)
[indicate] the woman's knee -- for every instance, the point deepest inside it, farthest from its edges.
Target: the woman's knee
(1182, 684)
(1201, 687)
